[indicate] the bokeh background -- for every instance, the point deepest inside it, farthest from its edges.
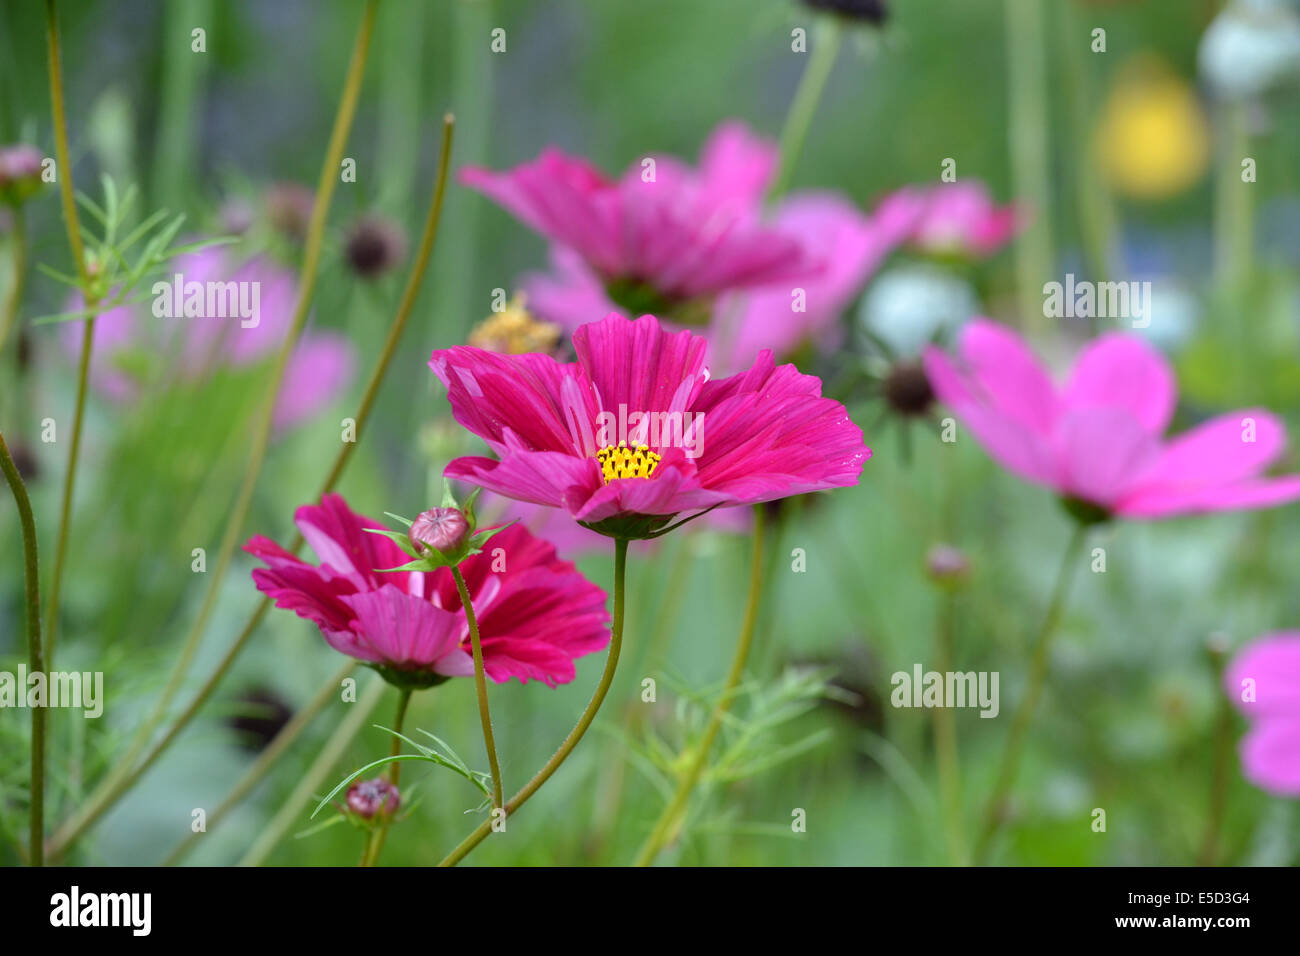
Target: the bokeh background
(1138, 139)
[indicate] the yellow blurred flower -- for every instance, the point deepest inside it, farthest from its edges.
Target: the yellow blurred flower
(1152, 139)
(514, 331)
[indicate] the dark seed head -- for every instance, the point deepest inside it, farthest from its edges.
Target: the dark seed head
(907, 389)
(374, 246)
(870, 11)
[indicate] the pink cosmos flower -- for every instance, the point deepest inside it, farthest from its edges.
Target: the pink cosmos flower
(132, 342)
(1270, 751)
(956, 219)
(535, 613)
(1097, 440)
(634, 432)
(693, 245)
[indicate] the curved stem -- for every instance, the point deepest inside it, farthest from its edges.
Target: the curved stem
(375, 842)
(575, 735)
(811, 86)
(1033, 689)
(18, 239)
(35, 658)
(116, 784)
(273, 752)
(73, 225)
(669, 822)
(480, 684)
(945, 741)
(311, 781)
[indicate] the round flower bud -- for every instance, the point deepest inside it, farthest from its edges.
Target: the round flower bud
(288, 207)
(368, 798)
(20, 173)
(947, 565)
(374, 246)
(442, 529)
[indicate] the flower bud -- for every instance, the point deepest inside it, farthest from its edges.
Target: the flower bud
(20, 173)
(374, 246)
(442, 529)
(947, 565)
(288, 207)
(367, 798)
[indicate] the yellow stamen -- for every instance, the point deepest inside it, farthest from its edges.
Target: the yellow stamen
(620, 461)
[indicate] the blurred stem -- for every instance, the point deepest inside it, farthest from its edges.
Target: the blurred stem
(575, 735)
(1209, 854)
(18, 244)
(276, 749)
(1030, 119)
(669, 823)
(1234, 227)
(375, 842)
(116, 784)
(182, 72)
(1033, 689)
(1096, 208)
(945, 738)
(311, 780)
(35, 657)
(480, 685)
(821, 60)
(73, 225)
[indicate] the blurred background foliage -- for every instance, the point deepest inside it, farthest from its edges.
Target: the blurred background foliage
(1128, 720)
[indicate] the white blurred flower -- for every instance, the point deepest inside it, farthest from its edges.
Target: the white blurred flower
(908, 305)
(1251, 47)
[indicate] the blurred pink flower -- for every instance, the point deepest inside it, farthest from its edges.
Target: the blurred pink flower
(757, 436)
(1270, 751)
(1098, 439)
(955, 219)
(693, 246)
(535, 613)
(187, 348)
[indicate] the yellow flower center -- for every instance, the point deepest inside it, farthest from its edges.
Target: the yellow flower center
(620, 461)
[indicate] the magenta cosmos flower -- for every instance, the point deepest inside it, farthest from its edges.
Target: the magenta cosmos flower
(954, 219)
(634, 432)
(1097, 440)
(134, 345)
(1263, 680)
(693, 246)
(535, 613)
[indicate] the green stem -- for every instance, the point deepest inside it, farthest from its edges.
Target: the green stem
(945, 741)
(606, 678)
(1029, 123)
(311, 781)
(480, 684)
(35, 658)
(375, 842)
(669, 823)
(1033, 689)
(1209, 854)
(73, 226)
(821, 60)
(18, 241)
(276, 749)
(117, 783)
